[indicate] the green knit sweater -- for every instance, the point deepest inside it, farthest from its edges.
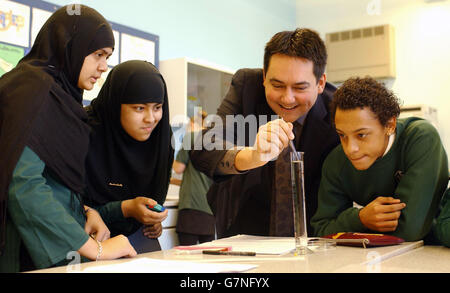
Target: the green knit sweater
(442, 227)
(417, 154)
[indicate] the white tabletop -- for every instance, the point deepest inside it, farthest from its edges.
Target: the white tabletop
(404, 258)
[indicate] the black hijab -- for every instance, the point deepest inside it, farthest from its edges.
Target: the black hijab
(118, 166)
(40, 102)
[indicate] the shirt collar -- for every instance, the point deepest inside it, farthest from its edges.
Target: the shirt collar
(391, 141)
(301, 120)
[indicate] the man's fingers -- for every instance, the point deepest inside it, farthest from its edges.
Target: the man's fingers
(287, 129)
(269, 140)
(284, 131)
(271, 145)
(276, 131)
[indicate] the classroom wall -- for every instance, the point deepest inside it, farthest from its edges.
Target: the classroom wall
(229, 33)
(233, 34)
(422, 44)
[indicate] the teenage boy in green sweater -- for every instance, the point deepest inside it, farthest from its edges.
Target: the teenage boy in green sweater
(397, 169)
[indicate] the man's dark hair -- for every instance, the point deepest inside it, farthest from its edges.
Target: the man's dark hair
(366, 92)
(304, 43)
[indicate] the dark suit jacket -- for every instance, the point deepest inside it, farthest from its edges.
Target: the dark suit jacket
(241, 203)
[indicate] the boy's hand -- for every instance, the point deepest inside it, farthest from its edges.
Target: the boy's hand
(382, 214)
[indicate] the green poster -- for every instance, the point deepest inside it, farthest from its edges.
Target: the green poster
(9, 57)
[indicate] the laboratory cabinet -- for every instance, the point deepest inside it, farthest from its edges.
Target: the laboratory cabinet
(194, 84)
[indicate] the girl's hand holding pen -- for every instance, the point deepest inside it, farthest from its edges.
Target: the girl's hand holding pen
(137, 208)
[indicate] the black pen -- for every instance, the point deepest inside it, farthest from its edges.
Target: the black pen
(218, 252)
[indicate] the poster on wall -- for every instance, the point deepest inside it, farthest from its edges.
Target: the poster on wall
(88, 96)
(14, 23)
(9, 57)
(114, 58)
(135, 48)
(39, 18)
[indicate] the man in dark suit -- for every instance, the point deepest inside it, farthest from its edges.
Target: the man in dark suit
(251, 193)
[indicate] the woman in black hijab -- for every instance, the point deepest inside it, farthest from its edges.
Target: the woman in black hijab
(130, 155)
(44, 140)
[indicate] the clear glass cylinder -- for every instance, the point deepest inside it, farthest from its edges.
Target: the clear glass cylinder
(298, 198)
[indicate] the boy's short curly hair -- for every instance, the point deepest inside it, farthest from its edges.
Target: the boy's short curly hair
(366, 92)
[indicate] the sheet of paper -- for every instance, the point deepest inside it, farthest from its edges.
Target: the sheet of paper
(148, 265)
(258, 244)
